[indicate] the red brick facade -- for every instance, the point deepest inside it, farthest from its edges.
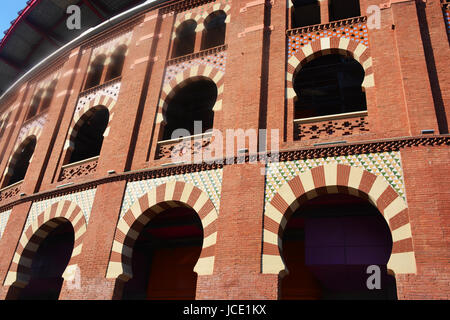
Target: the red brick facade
(407, 87)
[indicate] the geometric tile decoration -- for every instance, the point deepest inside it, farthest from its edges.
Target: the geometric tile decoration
(112, 91)
(83, 199)
(216, 60)
(386, 164)
(447, 18)
(357, 32)
(208, 181)
(32, 128)
(4, 216)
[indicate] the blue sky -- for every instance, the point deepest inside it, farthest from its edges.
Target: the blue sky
(8, 12)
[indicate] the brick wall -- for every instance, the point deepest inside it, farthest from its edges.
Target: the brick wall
(409, 55)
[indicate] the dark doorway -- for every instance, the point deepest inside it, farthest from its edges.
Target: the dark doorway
(328, 244)
(164, 257)
(49, 263)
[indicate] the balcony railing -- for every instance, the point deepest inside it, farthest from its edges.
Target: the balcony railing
(11, 192)
(99, 87)
(326, 26)
(195, 55)
(78, 169)
(193, 144)
(343, 124)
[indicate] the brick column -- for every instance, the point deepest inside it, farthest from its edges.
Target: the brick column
(9, 241)
(97, 245)
(415, 79)
(437, 54)
(237, 267)
(129, 106)
(426, 183)
(324, 11)
(55, 112)
(147, 136)
(65, 101)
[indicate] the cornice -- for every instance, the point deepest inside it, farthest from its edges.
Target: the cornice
(375, 146)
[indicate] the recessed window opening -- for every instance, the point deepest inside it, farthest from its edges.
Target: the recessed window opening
(193, 102)
(96, 71)
(48, 96)
(22, 156)
(35, 103)
(343, 9)
(215, 29)
(116, 65)
(89, 139)
(305, 13)
(328, 85)
(185, 39)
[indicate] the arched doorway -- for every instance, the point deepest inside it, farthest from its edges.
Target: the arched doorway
(164, 256)
(49, 261)
(328, 244)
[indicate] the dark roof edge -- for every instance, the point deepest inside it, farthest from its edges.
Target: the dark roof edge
(82, 37)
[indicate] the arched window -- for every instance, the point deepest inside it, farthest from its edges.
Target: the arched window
(193, 102)
(96, 71)
(47, 99)
(117, 61)
(343, 9)
(35, 103)
(305, 13)
(20, 161)
(215, 29)
(185, 39)
(327, 85)
(89, 139)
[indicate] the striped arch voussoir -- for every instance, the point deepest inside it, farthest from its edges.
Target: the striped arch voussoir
(330, 179)
(329, 45)
(168, 195)
(188, 76)
(19, 272)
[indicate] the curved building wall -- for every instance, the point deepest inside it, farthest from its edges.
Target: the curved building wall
(394, 153)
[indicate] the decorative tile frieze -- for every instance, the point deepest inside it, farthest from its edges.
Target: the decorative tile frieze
(4, 217)
(208, 181)
(84, 199)
(385, 164)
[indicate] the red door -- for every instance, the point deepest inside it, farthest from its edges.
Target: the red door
(171, 275)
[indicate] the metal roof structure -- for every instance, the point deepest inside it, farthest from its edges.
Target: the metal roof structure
(40, 29)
